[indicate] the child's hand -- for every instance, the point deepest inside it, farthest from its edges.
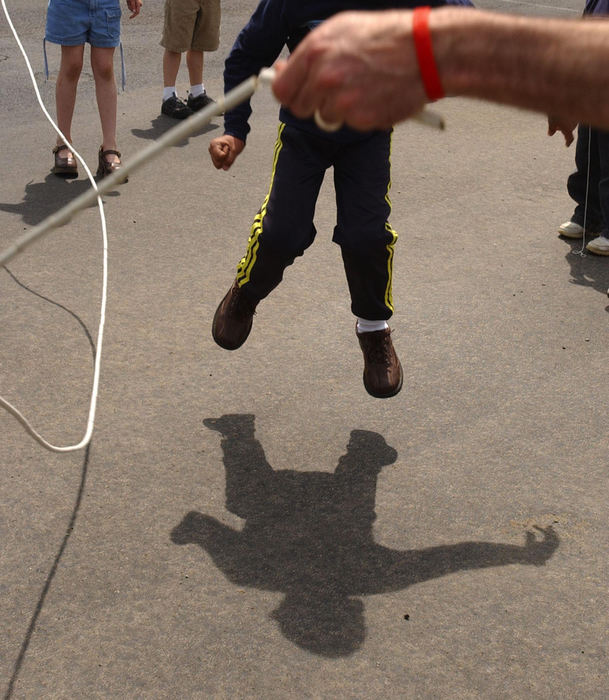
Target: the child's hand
(224, 150)
(135, 7)
(566, 128)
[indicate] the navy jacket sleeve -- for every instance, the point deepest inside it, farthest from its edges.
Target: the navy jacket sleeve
(258, 45)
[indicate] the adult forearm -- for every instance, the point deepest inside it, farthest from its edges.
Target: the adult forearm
(361, 67)
(553, 66)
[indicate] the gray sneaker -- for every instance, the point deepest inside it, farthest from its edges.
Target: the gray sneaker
(599, 246)
(569, 229)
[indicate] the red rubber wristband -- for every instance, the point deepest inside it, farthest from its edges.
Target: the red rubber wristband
(427, 63)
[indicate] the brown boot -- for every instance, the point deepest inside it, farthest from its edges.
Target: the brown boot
(382, 368)
(233, 319)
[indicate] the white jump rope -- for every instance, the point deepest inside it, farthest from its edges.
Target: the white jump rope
(178, 133)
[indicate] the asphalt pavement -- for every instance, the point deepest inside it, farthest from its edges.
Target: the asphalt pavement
(252, 524)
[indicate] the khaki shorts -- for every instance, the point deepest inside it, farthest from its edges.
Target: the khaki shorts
(191, 24)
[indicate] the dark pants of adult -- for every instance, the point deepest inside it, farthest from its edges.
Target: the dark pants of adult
(597, 210)
(283, 228)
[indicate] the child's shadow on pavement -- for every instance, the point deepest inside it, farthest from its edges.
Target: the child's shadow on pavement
(309, 535)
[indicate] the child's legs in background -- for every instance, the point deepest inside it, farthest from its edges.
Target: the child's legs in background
(66, 87)
(102, 63)
(194, 63)
(205, 37)
(171, 66)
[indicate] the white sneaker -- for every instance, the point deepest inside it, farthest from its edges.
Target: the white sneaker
(599, 245)
(571, 230)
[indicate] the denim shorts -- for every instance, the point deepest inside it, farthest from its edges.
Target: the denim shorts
(76, 22)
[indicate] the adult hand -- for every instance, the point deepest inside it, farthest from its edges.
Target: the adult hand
(135, 6)
(560, 124)
(359, 68)
(224, 150)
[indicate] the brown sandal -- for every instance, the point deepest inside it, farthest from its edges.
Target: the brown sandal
(65, 167)
(104, 167)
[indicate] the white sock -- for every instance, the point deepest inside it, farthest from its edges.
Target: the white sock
(365, 326)
(196, 90)
(169, 92)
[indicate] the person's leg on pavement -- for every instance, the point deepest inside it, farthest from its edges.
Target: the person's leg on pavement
(281, 231)
(205, 37)
(197, 95)
(600, 244)
(172, 105)
(102, 64)
(362, 181)
(194, 63)
(66, 87)
(180, 17)
(171, 67)
(582, 188)
(104, 36)
(67, 24)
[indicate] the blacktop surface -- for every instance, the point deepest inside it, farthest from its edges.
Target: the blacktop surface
(252, 524)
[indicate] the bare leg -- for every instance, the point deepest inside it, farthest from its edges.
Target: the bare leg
(102, 63)
(194, 62)
(171, 66)
(65, 88)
